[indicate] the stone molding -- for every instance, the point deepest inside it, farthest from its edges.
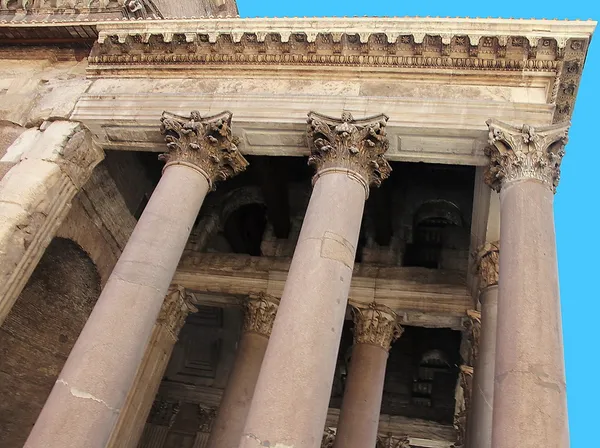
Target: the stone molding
(204, 143)
(375, 325)
(175, 309)
(260, 312)
(525, 153)
(488, 264)
(348, 144)
(504, 45)
(52, 163)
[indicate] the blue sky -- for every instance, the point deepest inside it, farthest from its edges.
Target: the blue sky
(577, 204)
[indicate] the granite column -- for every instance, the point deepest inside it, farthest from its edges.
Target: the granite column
(530, 408)
(133, 416)
(480, 418)
(90, 392)
(290, 402)
(259, 315)
(375, 328)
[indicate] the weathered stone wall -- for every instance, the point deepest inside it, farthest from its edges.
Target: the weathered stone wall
(40, 84)
(9, 132)
(39, 333)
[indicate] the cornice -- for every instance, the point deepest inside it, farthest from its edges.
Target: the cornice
(484, 45)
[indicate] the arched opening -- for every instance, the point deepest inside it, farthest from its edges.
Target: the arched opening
(437, 225)
(244, 228)
(39, 333)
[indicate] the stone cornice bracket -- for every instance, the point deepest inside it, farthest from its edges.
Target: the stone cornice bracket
(175, 309)
(521, 153)
(346, 144)
(488, 264)
(375, 325)
(260, 312)
(203, 143)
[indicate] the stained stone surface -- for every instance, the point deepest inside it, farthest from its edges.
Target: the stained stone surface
(39, 333)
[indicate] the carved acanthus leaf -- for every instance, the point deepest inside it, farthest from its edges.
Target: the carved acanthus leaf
(390, 441)
(328, 438)
(375, 325)
(175, 309)
(260, 312)
(205, 143)
(163, 413)
(346, 143)
(525, 153)
(488, 263)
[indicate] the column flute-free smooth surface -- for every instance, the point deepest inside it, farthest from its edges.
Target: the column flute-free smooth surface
(290, 402)
(233, 409)
(530, 408)
(374, 330)
(480, 426)
(89, 393)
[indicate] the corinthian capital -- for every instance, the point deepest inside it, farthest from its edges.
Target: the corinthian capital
(348, 144)
(376, 325)
(204, 143)
(488, 259)
(525, 153)
(176, 307)
(260, 312)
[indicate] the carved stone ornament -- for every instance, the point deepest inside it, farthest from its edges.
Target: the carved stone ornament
(525, 153)
(375, 325)
(488, 264)
(260, 312)
(206, 418)
(204, 143)
(175, 309)
(463, 403)
(163, 413)
(348, 144)
(328, 438)
(390, 441)
(469, 349)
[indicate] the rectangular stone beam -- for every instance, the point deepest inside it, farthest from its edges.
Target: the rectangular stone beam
(422, 297)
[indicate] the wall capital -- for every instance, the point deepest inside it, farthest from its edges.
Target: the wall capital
(526, 152)
(376, 325)
(260, 312)
(357, 146)
(204, 143)
(488, 263)
(175, 309)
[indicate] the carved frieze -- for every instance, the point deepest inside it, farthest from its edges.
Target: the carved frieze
(376, 325)
(175, 309)
(488, 263)
(260, 312)
(346, 143)
(518, 153)
(205, 143)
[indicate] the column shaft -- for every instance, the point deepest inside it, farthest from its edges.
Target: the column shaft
(90, 392)
(231, 417)
(375, 327)
(359, 416)
(480, 424)
(529, 394)
(133, 416)
(300, 360)
(86, 400)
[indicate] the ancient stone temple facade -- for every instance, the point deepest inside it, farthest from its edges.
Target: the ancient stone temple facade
(219, 232)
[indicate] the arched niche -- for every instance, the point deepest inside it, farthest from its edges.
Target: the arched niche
(40, 331)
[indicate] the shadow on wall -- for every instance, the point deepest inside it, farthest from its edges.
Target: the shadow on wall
(39, 333)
